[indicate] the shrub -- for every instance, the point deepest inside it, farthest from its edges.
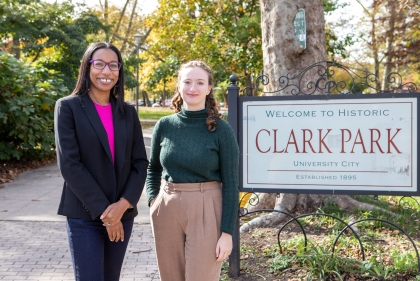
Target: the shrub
(28, 94)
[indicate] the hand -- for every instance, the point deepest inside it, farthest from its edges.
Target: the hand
(111, 217)
(224, 246)
(152, 201)
(115, 232)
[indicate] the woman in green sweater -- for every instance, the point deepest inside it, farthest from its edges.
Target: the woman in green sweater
(193, 153)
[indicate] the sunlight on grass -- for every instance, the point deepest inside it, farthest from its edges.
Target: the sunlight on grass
(146, 125)
(154, 112)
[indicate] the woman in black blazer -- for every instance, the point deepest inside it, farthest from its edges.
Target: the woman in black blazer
(101, 155)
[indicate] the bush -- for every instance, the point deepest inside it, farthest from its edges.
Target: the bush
(28, 94)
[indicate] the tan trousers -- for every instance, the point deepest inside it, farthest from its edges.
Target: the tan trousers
(186, 221)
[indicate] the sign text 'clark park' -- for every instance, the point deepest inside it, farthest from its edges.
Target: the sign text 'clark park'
(356, 145)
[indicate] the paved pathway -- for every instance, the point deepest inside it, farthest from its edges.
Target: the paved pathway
(33, 239)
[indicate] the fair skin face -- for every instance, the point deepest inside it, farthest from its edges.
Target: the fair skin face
(194, 86)
(102, 81)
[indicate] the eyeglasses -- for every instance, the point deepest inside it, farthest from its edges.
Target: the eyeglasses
(100, 64)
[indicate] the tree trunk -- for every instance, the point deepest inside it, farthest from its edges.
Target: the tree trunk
(16, 46)
(249, 84)
(164, 93)
(225, 99)
(145, 98)
(106, 11)
(374, 41)
(282, 53)
(390, 43)
(375, 52)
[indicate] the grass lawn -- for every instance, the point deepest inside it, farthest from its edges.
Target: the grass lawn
(146, 125)
(154, 112)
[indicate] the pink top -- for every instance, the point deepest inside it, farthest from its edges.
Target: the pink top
(105, 113)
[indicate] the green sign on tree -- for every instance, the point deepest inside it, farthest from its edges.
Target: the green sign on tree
(299, 25)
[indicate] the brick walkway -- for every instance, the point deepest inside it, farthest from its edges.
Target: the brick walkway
(39, 251)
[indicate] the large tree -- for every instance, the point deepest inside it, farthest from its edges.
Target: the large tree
(284, 58)
(282, 51)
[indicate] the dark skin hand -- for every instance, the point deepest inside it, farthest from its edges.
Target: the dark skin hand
(111, 219)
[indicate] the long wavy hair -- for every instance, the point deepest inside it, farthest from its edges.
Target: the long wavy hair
(83, 80)
(210, 103)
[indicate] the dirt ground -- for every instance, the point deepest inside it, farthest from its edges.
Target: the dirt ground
(255, 264)
(9, 169)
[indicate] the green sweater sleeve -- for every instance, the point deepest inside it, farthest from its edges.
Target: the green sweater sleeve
(229, 168)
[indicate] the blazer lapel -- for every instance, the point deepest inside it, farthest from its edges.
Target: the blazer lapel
(120, 136)
(93, 116)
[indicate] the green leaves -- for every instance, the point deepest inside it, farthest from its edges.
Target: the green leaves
(130, 67)
(26, 108)
(51, 39)
(227, 35)
(163, 71)
(50, 34)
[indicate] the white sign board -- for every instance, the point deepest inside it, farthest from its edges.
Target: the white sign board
(367, 144)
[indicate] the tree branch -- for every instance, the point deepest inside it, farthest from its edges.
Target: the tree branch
(117, 29)
(134, 45)
(102, 7)
(366, 10)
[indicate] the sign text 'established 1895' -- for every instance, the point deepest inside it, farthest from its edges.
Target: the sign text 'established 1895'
(354, 145)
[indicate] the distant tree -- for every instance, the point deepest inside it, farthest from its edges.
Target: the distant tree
(225, 34)
(49, 34)
(121, 25)
(162, 72)
(393, 37)
(336, 47)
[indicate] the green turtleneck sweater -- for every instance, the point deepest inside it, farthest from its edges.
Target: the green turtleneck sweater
(183, 150)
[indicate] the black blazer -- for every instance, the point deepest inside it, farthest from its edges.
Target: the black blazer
(91, 181)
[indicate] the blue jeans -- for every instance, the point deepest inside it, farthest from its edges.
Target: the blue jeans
(95, 257)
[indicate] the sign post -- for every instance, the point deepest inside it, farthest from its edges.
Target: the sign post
(233, 94)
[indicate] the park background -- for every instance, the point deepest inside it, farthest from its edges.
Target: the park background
(42, 43)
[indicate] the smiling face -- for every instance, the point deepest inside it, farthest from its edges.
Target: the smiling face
(194, 86)
(102, 81)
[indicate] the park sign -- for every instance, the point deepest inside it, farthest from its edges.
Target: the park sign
(299, 26)
(344, 144)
